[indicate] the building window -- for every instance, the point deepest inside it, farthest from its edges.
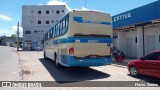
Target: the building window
(35, 31)
(57, 12)
(31, 21)
(27, 32)
(39, 22)
(47, 11)
(135, 39)
(47, 22)
(62, 10)
(39, 12)
(52, 21)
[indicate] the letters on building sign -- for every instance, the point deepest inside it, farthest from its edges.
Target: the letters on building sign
(122, 17)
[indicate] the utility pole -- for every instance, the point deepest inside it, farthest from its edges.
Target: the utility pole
(18, 36)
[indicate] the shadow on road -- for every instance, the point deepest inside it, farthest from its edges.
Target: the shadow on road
(148, 79)
(74, 74)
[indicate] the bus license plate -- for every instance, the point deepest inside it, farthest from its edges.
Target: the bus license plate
(93, 56)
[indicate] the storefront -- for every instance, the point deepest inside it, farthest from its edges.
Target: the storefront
(138, 30)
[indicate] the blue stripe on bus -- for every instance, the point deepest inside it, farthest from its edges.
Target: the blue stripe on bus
(72, 61)
(82, 40)
(80, 20)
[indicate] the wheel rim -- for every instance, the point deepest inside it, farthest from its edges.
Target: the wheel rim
(133, 71)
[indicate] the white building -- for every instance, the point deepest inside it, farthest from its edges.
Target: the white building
(137, 31)
(36, 20)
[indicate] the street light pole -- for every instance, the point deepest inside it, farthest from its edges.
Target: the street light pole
(18, 36)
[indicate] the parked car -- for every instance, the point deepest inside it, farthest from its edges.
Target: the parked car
(148, 65)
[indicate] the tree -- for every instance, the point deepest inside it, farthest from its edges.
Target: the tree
(13, 36)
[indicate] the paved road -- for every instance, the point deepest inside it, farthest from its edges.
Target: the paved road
(9, 64)
(36, 68)
(40, 68)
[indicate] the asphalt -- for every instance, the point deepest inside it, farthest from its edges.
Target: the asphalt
(10, 69)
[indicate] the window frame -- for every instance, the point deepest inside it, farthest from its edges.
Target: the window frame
(27, 32)
(57, 11)
(39, 22)
(39, 12)
(47, 11)
(47, 22)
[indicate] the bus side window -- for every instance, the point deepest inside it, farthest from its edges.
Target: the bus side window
(57, 30)
(50, 34)
(53, 32)
(62, 24)
(59, 25)
(47, 35)
(60, 28)
(67, 21)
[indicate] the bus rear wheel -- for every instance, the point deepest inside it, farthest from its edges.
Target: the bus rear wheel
(44, 55)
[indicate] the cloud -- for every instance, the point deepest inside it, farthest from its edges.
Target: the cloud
(58, 2)
(14, 28)
(6, 32)
(5, 18)
(40, 4)
(10, 31)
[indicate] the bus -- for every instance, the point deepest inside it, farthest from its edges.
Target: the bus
(80, 39)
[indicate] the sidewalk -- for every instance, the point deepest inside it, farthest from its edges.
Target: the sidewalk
(124, 62)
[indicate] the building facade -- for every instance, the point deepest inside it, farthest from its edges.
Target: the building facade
(137, 31)
(36, 20)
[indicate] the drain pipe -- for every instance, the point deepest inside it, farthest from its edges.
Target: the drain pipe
(143, 41)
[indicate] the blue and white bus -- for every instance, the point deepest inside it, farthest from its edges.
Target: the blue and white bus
(80, 38)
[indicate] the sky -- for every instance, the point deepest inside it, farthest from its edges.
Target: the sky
(11, 10)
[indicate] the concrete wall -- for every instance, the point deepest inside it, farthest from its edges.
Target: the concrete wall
(152, 31)
(30, 18)
(132, 35)
(122, 42)
(137, 48)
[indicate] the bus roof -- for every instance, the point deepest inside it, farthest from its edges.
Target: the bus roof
(87, 10)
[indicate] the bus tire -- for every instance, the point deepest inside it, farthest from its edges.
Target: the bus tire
(44, 55)
(58, 66)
